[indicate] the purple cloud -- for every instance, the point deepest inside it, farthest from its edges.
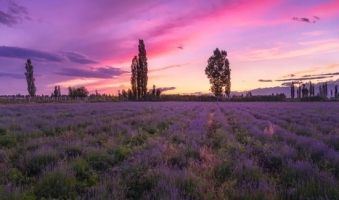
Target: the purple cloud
(305, 78)
(13, 75)
(78, 58)
(288, 84)
(163, 89)
(101, 72)
(14, 16)
(326, 74)
(18, 52)
(304, 19)
(263, 80)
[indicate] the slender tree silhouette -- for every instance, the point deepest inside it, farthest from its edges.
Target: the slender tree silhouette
(292, 90)
(30, 78)
(142, 68)
(134, 77)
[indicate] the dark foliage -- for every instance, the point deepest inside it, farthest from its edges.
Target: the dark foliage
(218, 72)
(57, 92)
(143, 68)
(77, 92)
(139, 70)
(30, 78)
(276, 97)
(292, 90)
(134, 76)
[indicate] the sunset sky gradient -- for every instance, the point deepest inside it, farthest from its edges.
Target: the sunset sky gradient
(92, 43)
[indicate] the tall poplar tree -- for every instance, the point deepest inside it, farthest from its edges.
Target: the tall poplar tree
(134, 77)
(30, 78)
(143, 68)
(227, 77)
(292, 90)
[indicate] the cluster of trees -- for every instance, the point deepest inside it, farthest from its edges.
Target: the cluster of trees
(303, 92)
(250, 97)
(77, 92)
(124, 95)
(219, 73)
(323, 90)
(57, 92)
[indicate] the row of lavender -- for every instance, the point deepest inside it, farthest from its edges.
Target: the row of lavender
(170, 151)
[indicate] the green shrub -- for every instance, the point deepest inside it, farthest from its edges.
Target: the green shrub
(192, 153)
(152, 130)
(99, 161)
(177, 139)
(178, 160)
(49, 132)
(58, 184)
(164, 125)
(137, 183)
(84, 175)
(15, 176)
(303, 132)
(3, 131)
(188, 188)
(136, 140)
(272, 164)
(223, 171)
(119, 154)
(36, 163)
(73, 151)
(8, 141)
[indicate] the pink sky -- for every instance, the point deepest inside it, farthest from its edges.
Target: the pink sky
(92, 43)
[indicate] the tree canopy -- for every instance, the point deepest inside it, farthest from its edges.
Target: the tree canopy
(77, 92)
(219, 73)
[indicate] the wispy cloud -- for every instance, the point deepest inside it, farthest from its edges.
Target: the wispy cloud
(313, 71)
(305, 78)
(163, 89)
(288, 84)
(325, 74)
(264, 80)
(18, 52)
(313, 33)
(78, 58)
(12, 75)
(279, 52)
(168, 67)
(303, 19)
(101, 72)
(24, 53)
(74, 82)
(289, 75)
(15, 15)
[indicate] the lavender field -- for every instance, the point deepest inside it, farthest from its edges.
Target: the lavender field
(173, 150)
